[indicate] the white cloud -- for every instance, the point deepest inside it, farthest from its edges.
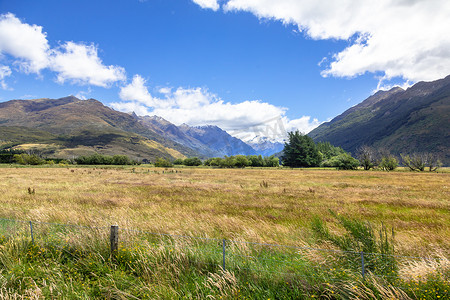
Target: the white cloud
(211, 4)
(74, 62)
(197, 106)
(5, 71)
(137, 91)
(80, 63)
(27, 43)
(400, 38)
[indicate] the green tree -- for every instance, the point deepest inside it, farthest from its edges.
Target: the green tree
(300, 151)
(271, 161)
(193, 161)
(121, 160)
(240, 161)
(328, 151)
(256, 160)
(178, 161)
(26, 159)
(388, 163)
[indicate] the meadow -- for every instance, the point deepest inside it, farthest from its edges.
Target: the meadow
(275, 206)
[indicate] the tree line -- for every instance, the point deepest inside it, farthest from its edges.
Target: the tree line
(234, 161)
(301, 151)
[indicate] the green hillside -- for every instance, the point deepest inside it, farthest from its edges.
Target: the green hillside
(68, 127)
(402, 121)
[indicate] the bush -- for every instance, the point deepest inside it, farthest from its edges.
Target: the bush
(163, 163)
(256, 160)
(342, 162)
(388, 163)
(7, 156)
(271, 161)
(26, 159)
(100, 159)
(178, 161)
(213, 162)
(194, 161)
(240, 161)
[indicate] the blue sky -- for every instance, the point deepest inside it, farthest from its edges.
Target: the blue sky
(238, 64)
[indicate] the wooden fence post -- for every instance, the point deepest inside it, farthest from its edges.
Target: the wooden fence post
(363, 268)
(223, 253)
(31, 230)
(114, 239)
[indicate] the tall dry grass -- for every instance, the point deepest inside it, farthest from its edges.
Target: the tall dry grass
(232, 203)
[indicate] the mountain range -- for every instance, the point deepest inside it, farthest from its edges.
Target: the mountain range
(402, 121)
(68, 127)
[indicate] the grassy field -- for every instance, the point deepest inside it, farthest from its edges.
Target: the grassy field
(254, 205)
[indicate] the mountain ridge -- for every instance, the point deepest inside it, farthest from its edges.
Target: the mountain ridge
(402, 121)
(80, 127)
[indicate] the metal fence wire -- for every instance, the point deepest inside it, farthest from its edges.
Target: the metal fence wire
(240, 256)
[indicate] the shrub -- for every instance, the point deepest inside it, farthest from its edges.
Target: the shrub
(256, 160)
(121, 160)
(178, 161)
(342, 162)
(194, 161)
(388, 163)
(26, 159)
(7, 156)
(163, 163)
(240, 161)
(271, 161)
(100, 159)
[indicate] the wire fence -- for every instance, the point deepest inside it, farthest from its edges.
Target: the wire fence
(242, 257)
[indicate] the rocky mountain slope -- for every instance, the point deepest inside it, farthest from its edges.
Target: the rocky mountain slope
(218, 140)
(209, 141)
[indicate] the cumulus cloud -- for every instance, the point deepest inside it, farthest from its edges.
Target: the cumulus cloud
(399, 38)
(211, 4)
(197, 106)
(80, 63)
(27, 43)
(77, 63)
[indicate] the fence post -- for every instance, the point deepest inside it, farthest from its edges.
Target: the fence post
(31, 230)
(223, 250)
(363, 270)
(114, 239)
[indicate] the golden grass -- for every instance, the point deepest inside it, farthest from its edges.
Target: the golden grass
(261, 205)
